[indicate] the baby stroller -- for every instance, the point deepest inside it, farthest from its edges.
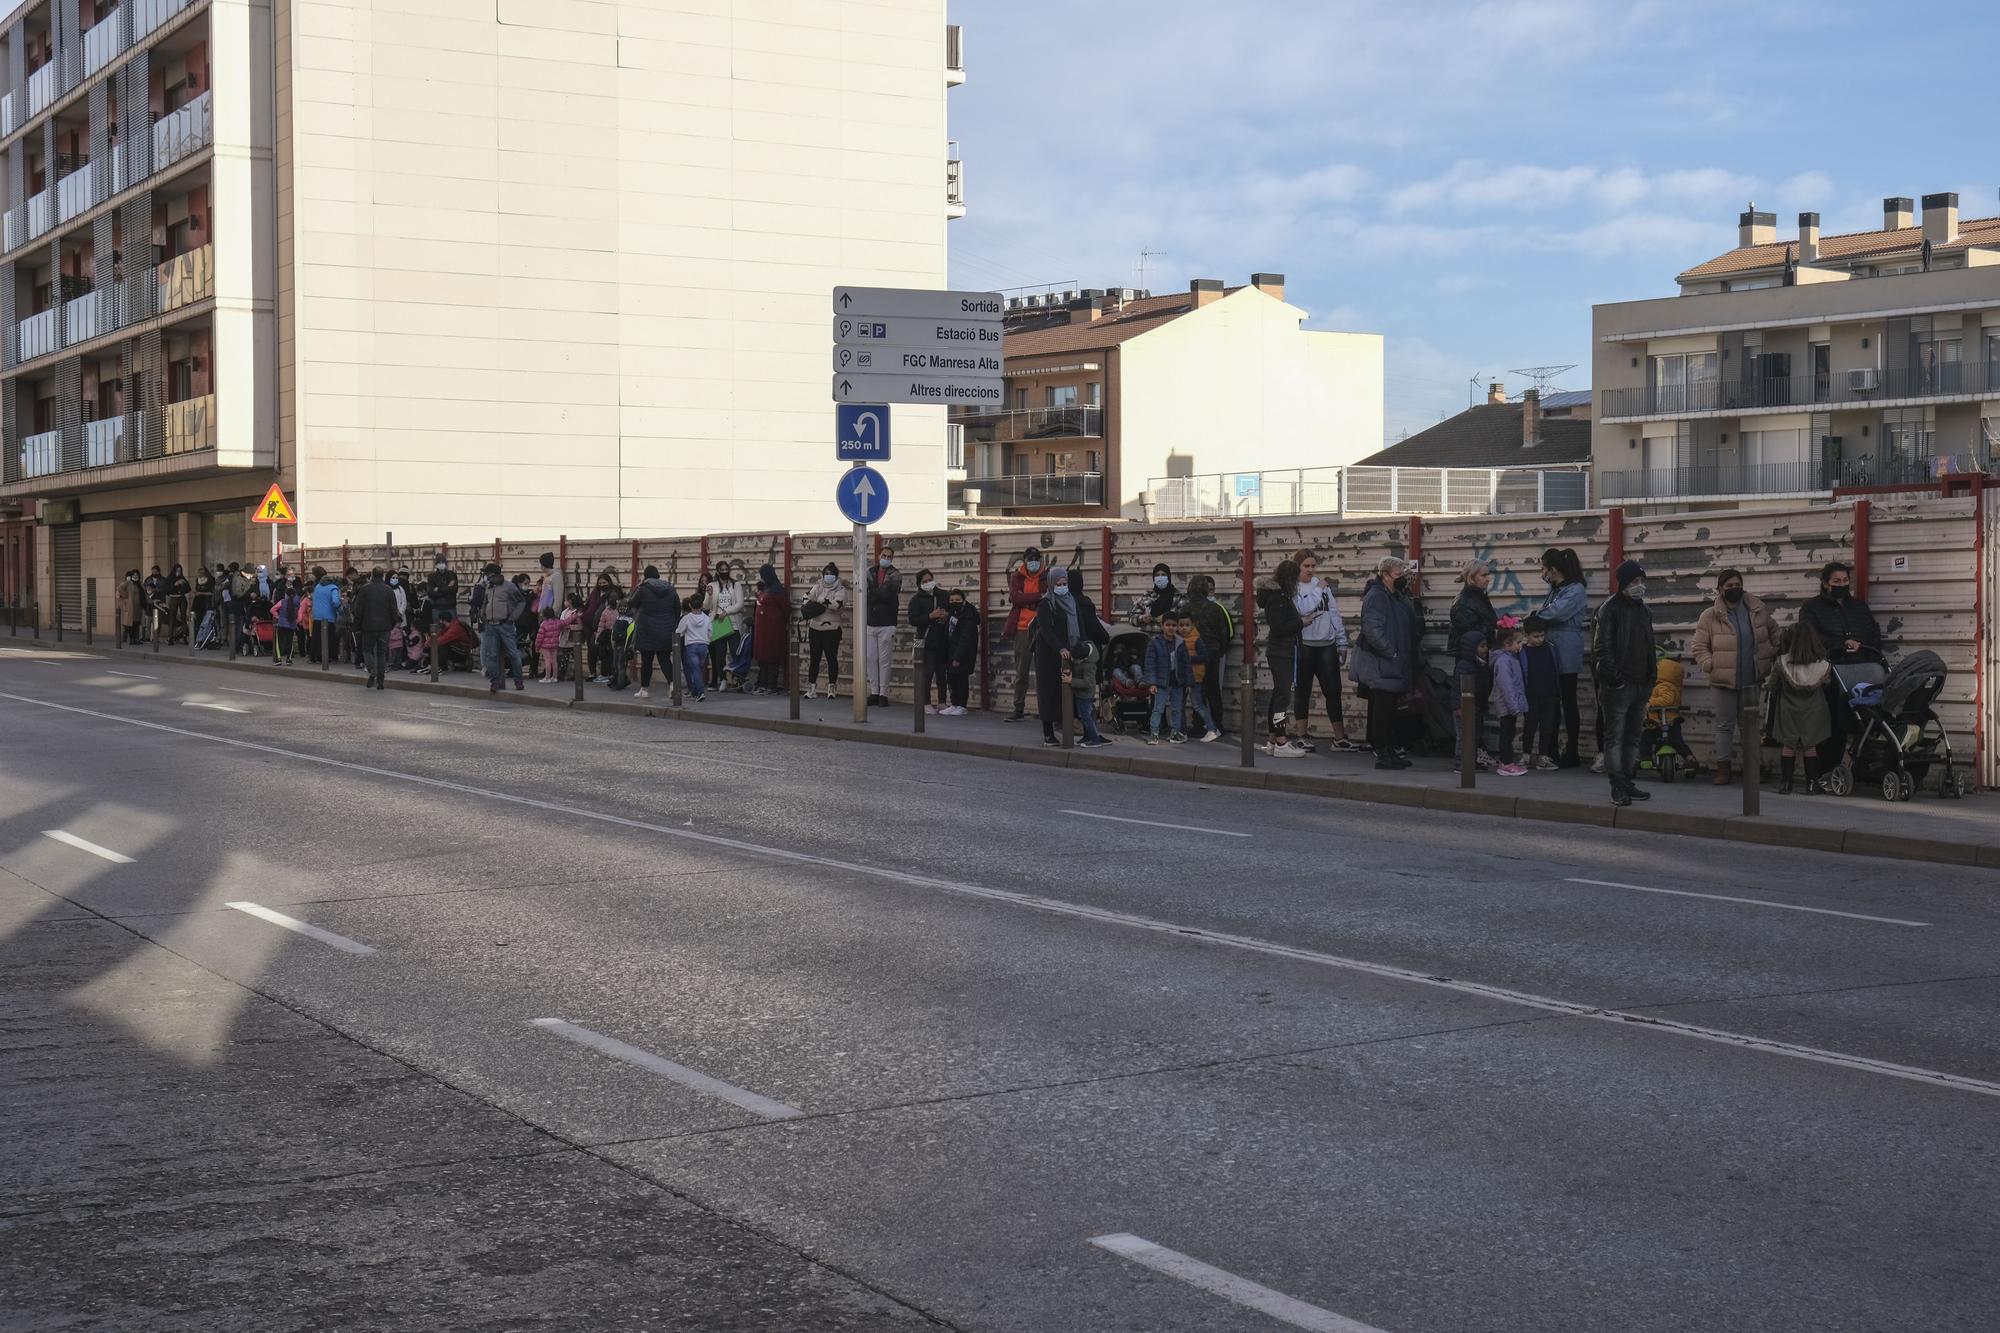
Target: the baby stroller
(1122, 681)
(1894, 736)
(206, 634)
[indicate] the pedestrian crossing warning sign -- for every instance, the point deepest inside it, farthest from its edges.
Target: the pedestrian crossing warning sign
(275, 508)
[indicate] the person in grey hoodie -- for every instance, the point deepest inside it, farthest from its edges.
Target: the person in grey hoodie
(1322, 647)
(498, 644)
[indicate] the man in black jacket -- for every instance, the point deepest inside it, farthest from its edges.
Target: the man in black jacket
(1623, 661)
(374, 617)
(884, 591)
(1848, 632)
(442, 592)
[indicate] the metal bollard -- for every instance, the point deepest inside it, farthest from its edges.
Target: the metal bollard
(1068, 705)
(794, 669)
(90, 612)
(1750, 735)
(325, 646)
(1468, 733)
(156, 634)
(576, 660)
(923, 690)
(59, 620)
(1246, 705)
(680, 670)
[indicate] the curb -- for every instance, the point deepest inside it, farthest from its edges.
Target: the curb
(1724, 828)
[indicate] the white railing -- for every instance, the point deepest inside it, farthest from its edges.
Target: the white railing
(10, 228)
(101, 440)
(36, 336)
(40, 214)
(41, 455)
(41, 87)
(150, 14)
(185, 131)
(91, 315)
(1369, 490)
(7, 114)
(100, 44)
(78, 191)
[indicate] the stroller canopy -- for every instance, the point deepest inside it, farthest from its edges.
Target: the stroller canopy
(1919, 670)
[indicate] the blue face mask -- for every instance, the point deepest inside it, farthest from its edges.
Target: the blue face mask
(1034, 566)
(1061, 590)
(1160, 581)
(884, 562)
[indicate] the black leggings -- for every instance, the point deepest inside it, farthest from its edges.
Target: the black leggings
(1571, 719)
(934, 667)
(1283, 657)
(823, 643)
(1317, 662)
(647, 657)
(1382, 722)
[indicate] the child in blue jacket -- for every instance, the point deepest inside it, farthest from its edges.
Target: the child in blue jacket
(1510, 696)
(1168, 672)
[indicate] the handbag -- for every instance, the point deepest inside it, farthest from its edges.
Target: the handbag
(724, 627)
(813, 610)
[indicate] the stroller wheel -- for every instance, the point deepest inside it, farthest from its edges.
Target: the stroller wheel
(1892, 786)
(1906, 786)
(1839, 780)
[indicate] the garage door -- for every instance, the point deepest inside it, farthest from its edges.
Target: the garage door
(68, 548)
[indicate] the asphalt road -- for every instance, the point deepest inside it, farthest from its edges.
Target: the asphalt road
(840, 1037)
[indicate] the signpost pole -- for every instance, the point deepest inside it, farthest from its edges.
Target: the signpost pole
(794, 668)
(859, 673)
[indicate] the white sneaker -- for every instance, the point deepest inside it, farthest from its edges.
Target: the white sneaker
(812, 692)
(642, 694)
(1284, 750)
(933, 709)
(1213, 736)
(1597, 764)
(953, 711)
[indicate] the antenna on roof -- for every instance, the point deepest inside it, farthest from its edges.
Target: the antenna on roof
(1472, 389)
(1144, 255)
(1541, 375)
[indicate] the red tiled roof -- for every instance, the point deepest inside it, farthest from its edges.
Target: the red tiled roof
(1107, 330)
(1850, 246)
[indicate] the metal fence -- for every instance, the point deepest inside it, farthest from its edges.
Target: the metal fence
(1369, 490)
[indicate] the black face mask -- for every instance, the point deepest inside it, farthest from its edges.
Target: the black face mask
(1732, 595)
(1838, 592)
(1403, 583)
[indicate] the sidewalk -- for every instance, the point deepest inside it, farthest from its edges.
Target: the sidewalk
(1926, 828)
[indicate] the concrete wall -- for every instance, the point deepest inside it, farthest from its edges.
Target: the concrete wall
(567, 264)
(1238, 386)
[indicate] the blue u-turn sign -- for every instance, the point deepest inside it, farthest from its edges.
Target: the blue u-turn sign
(861, 432)
(862, 495)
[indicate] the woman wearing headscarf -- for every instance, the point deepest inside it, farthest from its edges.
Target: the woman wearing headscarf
(1064, 619)
(1161, 598)
(771, 632)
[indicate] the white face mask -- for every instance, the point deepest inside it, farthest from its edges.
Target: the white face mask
(929, 585)
(829, 579)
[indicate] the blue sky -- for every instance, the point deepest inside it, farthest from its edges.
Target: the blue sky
(1465, 178)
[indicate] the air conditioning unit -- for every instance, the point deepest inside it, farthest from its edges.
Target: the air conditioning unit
(1862, 381)
(1127, 294)
(1034, 302)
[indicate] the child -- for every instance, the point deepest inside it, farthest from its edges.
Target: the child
(415, 647)
(1797, 717)
(285, 611)
(1510, 696)
(1082, 678)
(1666, 702)
(1199, 655)
(694, 631)
(549, 637)
(962, 652)
(1544, 688)
(1167, 673)
(1472, 663)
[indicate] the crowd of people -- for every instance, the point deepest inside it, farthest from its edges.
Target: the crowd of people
(733, 632)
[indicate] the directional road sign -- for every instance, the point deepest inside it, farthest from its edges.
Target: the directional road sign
(930, 334)
(861, 432)
(913, 302)
(862, 495)
(956, 390)
(951, 361)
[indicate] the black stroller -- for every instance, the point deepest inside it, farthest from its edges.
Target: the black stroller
(1122, 699)
(1894, 736)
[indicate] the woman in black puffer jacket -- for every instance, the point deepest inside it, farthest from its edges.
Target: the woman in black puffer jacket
(1282, 627)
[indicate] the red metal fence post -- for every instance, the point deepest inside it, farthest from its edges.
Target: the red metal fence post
(702, 573)
(1861, 508)
(1104, 574)
(1415, 555)
(1614, 556)
(496, 552)
(985, 627)
(346, 564)
(633, 580)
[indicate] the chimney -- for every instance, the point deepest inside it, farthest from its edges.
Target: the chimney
(1271, 284)
(1940, 218)
(1496, 393)
(1531, 418)
(1897, 213)
(1086, 308)
(1754, 228)
(1205, 290)
(1808, 238)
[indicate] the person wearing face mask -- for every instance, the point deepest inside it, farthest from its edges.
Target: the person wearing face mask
(656, 610)
(928, 619)
(1625, 667)
(1027, 585)
(1385, 657)
(1563, 614)
(824, 612)
(771, 631)
(1065, 619)
(885, 609)
(441, 592)
(725, 602)
(1163, 598)
(131, 604)
(1734, 645)
(961, 632)
(396, 586)
(1848, 632)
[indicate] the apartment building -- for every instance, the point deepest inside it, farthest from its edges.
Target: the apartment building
(1787, 368)
(1108, 388)
(448, 269)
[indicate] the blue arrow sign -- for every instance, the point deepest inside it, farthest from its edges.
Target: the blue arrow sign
(861, 432)
(862, 495)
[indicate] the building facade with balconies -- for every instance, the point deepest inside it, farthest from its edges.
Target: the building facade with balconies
(1790, 368)
(1107, 389)
(447, 269)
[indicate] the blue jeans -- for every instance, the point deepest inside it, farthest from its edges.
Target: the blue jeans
(696, 668)
(1086, 714)
(497, 642)
(1168, 702)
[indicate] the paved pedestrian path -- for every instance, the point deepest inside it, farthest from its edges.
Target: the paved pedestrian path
(1964, 831)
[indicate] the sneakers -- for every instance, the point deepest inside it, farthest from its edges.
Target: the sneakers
(1512, 770)
(1544, 764)
(812, 691)
(518, 684)
(1597, 764)
(1637, 793)
(1152, 738)
(1094, 743)
(1283, 749)
(1015, 717)
(697, 698)
(1212, 736)
(933, 709)
(1051, 742)
(1305, 744)
(642, 694)
(1390, 761)
(953, 711)
(1178, 738)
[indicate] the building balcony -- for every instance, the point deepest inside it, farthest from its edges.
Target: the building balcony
(39, 214)
(7, 121)
(80, 191)
(187, 278)
(37, 335)
(190, 425)
(150, 14)
(1681, 483)
(41, 455)
(954, 55)
(104, 441)
(954, 182)
(183, 132)
(1865, 387)
(101, 44)
(1043, 491)
(1078, 422)
(91, 315)
(41, 87)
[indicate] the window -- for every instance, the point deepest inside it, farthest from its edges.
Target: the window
(1020, 400)
(1092, 393)
(1909, 438)
(1937, 357)
(1091, 466)
(1685, 382)
(1062, 395)
(180, 380)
